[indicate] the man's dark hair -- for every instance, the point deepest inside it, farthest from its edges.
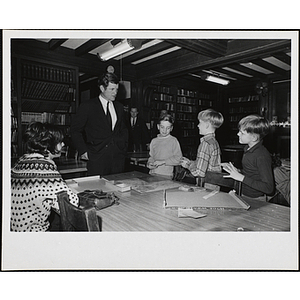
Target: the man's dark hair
(106, 78)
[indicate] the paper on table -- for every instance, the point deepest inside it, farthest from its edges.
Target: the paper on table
(177, 198)
(90, 183)
(189, 213)
(210, 194)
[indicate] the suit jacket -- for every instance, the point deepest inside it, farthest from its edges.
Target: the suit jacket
(91, 133)
(138, 134)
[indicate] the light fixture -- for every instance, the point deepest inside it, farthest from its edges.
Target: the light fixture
(212, 78)
(216, 79)
(122, 47)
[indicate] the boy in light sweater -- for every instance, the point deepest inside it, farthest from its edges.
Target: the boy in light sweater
(165, 151)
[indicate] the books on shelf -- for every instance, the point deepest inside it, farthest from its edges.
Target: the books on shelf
(163, 89)
(202, 102)
(184, 92)
(34, 89)
(187, 109)
(186, 100)
(45, 117)
(186, 117)
(163, 105)
(243, 99)
(43, 72)
(162, 97)
(243, 109)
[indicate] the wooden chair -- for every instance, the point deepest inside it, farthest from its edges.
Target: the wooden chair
(216, 178)
(74, 218)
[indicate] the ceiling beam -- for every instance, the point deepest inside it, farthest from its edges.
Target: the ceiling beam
(246, 70)
(192, 62)
(89, 45)
(268, 66)
(147, 52)
(283, 57)
(55, 43)
(244, 45)
(231, 74)
(87, 63)
(210, 48)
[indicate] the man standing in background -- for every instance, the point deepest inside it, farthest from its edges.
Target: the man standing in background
(139, 136)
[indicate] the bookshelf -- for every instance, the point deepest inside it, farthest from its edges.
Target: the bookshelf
(184, 105)
(14, 134)
(239, 107)
(163, 99)
(44, 92)
(189, 103)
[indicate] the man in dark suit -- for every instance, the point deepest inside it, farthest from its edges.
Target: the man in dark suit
(99, 132)
(139, 136)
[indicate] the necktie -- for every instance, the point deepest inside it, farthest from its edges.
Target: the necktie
(133, 122)
(108, 115)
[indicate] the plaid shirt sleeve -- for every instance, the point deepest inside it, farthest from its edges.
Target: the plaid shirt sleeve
(200, 165)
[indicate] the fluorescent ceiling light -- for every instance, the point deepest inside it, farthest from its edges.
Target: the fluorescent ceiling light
(144, 46)
(218, 74)
(216, 80)
(212, 79)
(119, 49)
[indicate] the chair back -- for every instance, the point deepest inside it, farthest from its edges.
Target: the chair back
(217, 178)
(74, 218)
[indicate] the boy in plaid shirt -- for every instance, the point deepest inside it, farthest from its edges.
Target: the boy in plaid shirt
(209, 153)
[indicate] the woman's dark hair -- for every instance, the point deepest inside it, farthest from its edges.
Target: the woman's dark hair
(42, 137)
(106, 78)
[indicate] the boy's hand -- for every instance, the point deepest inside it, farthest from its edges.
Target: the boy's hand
(185, 162)
(84, 156)
(151, 166)
(233, 171)
(159, 163)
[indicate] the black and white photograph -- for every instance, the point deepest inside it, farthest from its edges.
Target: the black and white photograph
(150, 150)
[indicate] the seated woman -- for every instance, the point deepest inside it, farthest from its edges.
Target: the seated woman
(35, 179)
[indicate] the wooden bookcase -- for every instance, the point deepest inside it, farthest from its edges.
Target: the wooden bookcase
(184, 105)
(189, 104)
(164, 97)
(239, 107)
(41, 91)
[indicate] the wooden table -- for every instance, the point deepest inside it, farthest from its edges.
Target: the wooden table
(69, 166)
(146, 212)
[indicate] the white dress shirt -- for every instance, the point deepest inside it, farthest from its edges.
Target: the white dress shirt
(111, 109)
(133, 121)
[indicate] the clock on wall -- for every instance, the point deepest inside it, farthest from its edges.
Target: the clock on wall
(110, 69)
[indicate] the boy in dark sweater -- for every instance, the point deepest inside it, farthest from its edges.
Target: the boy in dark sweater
(256, 176)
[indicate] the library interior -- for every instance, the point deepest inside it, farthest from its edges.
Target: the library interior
(52, 77)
